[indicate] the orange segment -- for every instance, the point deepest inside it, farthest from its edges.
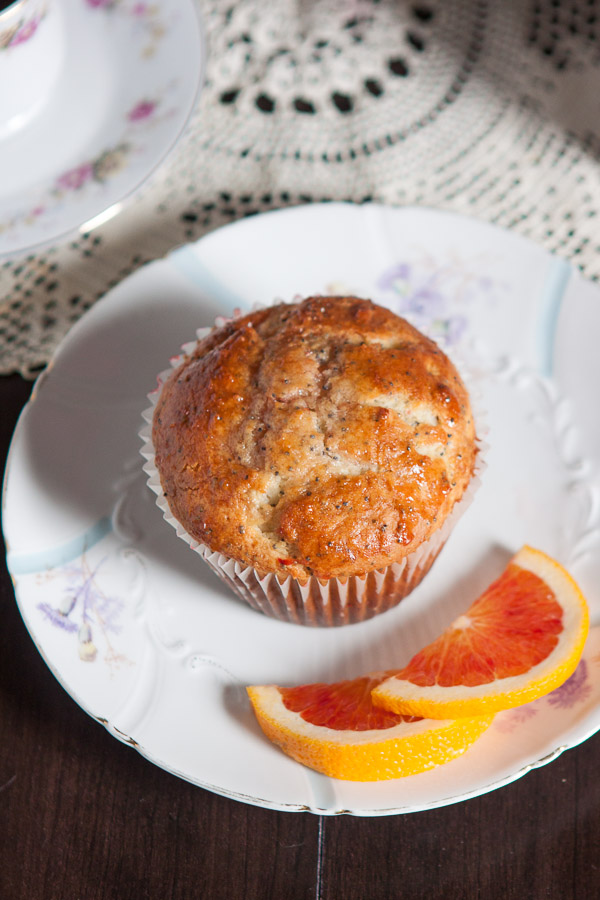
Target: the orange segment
(520, 639)
(343, 706)
(335, 729)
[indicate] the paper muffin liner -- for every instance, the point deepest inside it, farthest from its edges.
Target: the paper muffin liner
(317, 602)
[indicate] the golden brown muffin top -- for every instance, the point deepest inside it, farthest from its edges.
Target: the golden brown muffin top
(327, 437)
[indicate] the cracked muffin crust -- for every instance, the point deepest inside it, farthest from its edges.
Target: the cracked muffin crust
(327, 438)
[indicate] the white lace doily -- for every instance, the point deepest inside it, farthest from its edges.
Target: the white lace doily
(489, 109)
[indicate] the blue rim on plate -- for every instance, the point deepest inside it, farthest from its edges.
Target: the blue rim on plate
(146, 639)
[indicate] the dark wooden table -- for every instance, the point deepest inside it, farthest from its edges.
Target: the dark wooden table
(82, 816)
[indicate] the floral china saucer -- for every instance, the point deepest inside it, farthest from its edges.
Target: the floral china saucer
(130, 75)
(145, 637)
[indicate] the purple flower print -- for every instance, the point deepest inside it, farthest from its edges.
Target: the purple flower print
(142, 110)
(394, 278)
(416, 292)
(76, 178)
(57, 618)
(574, 690)
(100, 4)
(430, 295)
(418, 296)
(511, 719)
(93, 602)
(424, 301)
(455, 328)
(85, 608)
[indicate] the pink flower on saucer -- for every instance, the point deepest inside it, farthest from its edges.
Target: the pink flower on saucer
(26, 32)
(75, 178)
(142, 110)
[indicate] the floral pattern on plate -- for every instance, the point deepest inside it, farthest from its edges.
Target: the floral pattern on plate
(187, 634)
(436, 295)
(22, 31)
(108, 163)
(573, 692)
(143, 64)
(86, 611)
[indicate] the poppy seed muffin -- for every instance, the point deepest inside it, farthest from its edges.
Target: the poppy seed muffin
(323, 440)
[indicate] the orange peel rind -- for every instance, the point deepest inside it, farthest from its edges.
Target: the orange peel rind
(408, 748)
(499, 623)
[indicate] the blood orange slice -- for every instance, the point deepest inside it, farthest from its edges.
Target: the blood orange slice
(521, 638)
(336, 729)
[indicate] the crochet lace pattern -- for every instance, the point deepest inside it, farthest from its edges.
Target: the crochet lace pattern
(487, 109)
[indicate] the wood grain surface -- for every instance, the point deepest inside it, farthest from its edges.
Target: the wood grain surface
(84, 817)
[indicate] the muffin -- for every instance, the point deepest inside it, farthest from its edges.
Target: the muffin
(316, 454)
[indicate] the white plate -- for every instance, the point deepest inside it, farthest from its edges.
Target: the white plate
(142, 634)
(129, 80)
